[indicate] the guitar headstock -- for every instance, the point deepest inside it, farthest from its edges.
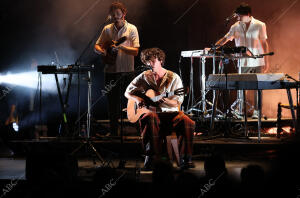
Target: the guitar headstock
(120, 40)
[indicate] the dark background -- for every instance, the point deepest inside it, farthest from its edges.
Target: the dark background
(34, 31)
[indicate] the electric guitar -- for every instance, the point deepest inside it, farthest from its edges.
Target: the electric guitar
(151, 99)
(111, 51)
(12, 116)
(12, 120)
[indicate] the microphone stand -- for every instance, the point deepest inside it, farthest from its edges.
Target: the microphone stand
(228, 130)
(88, 142)
(216, 98)
(91, 41)
(228, 19)
(226, 22)
(78, 62)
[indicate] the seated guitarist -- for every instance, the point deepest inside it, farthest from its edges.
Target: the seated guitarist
(118, 44)
(154, 126)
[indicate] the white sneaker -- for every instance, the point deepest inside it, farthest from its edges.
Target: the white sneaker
(255, 114)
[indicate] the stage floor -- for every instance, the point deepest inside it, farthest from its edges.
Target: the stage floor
(237, 152)
(276, 157)
(14, 168)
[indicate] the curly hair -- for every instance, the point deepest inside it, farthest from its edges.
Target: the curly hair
(117, 5)
(152, 53)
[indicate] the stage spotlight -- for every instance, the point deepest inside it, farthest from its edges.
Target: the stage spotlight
(29, 80)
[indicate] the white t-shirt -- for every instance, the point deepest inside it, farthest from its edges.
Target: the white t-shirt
(251, 39)
(170, 82)
(124, 62)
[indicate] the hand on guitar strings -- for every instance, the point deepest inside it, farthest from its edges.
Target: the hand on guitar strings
(147, 102)
(168, 102)
(141, 104)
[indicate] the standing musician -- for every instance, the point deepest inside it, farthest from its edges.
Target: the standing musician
(155, 125)
(118, 44)
(251, 33)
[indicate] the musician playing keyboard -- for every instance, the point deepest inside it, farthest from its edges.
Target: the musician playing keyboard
(155, 125)
(251, 33)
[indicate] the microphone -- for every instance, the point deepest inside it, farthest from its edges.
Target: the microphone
(147, 67)
(262, 55)
(108, 18)
(269, 54)
(234, 15)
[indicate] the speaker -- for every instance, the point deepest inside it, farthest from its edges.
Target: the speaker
(51, 166)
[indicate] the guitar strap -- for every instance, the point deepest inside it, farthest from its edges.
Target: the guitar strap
(150, 81)
(168, 79)
(164, 84)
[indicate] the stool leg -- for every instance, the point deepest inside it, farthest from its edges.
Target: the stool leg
(174, 143)
(172, 147)
(169, 147)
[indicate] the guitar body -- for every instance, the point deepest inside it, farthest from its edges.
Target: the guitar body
(134, 112)
(111, 54)
(151, 97)
(111, 51)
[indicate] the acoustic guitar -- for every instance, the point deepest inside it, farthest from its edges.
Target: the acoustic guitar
(151, 98)
(112, 52)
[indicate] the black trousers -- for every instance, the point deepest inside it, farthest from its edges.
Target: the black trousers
(115, 86)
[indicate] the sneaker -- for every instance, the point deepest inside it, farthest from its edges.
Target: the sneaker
(186, 163)
(147, 164)
(255, 114)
